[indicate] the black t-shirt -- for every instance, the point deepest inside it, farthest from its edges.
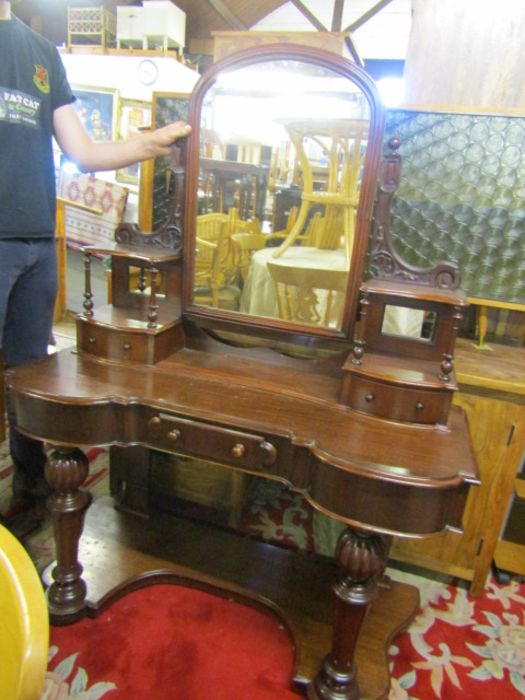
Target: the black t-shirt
(33, 84)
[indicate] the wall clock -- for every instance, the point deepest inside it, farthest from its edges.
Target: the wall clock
(147, 72)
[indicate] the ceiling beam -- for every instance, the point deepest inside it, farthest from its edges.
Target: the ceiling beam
(227, 15)
(353, 51)
(337, 17)
(309, 16)
(368, 15)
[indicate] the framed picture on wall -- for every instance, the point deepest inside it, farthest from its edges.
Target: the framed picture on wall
(133, 115)
(97, 109)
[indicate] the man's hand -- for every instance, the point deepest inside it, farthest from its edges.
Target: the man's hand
(91, 156)
(162, 139)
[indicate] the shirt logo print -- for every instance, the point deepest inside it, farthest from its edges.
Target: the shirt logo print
(41, 78)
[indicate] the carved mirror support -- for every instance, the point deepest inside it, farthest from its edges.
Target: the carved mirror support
(384, 261)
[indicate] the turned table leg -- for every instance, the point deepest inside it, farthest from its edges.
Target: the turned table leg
(66, 470)
(362, 557)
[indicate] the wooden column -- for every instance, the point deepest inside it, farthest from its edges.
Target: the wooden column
(61, 251)
(66, 470)
(362, 557)
(146, 195)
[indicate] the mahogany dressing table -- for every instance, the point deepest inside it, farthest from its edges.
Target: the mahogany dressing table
(356, 418)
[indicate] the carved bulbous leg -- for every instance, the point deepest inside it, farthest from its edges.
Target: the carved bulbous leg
(66, 470)
(362, 558)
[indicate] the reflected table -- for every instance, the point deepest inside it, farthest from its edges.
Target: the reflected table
(259, 298)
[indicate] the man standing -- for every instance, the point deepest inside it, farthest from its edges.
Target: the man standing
(36, 103)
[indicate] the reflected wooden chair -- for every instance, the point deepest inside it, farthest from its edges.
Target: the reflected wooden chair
(309, 295)
(342, 141)
(248, 238)
(24, 623)
(280, 166)
(216, 278)
(247, 243)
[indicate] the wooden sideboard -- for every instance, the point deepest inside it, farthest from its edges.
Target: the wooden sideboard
(492, 393)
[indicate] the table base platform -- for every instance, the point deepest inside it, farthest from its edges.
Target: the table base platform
(121, 552)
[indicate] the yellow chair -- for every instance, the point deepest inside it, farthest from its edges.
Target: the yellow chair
(246, 244)
(312, 296)
(216, 261)
(248, 238)
(342, 141)
(24, 623)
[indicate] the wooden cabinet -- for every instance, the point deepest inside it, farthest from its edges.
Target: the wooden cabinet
(510, 549)
(492, 393)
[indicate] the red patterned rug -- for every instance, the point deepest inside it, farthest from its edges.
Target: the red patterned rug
(461, 647)
(168, 641)
(198, 646)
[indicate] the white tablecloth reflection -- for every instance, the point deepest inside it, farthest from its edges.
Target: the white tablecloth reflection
(259, 298)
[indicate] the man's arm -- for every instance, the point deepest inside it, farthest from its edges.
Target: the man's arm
(91, 156)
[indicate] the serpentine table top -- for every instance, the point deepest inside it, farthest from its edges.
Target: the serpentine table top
(383, 475)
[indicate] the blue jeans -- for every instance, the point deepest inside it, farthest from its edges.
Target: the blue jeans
(28, 287)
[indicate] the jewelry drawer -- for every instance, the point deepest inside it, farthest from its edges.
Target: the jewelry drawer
(146, 347)
(397, 402)
(111, 344)
(189, 437)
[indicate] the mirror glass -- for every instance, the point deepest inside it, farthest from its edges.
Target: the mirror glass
(408, 322)
(281, 153)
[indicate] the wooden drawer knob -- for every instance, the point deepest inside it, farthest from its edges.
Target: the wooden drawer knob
(238, 450)
(369, 398)
(269, 452)
(92, 340)
(174, 435)
(154, 425)
(127, 346)
(419, 406)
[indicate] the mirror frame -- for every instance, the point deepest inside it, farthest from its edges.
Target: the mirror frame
(236, 321)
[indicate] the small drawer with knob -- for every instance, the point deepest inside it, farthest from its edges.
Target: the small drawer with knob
(397, 402)
(140, 345)
(213, 442)
(111, 344)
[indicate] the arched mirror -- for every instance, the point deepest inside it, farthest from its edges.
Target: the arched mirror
(282, 170)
